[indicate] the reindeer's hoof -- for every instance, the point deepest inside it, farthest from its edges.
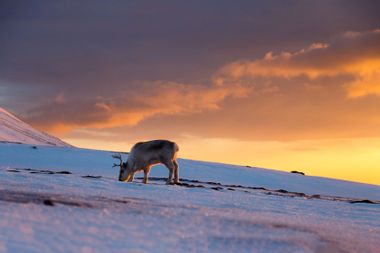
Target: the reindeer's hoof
(169, 182)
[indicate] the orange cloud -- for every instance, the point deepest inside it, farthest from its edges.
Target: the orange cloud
(165, 98)
(346, 66)
(367, 79)
(354, 54)
(148, 99)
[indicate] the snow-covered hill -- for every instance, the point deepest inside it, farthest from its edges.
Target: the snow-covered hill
(69, 200)
(13, 129)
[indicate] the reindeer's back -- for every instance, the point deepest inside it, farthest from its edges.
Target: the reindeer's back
(154, 150)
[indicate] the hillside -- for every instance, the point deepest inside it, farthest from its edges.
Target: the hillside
(12, 129)
(69, 200)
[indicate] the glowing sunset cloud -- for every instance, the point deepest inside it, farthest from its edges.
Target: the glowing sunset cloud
(131, 107)
(356, 54)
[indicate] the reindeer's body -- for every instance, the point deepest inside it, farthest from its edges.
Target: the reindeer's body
(144, 155)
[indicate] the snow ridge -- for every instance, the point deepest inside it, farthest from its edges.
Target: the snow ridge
(12, 129)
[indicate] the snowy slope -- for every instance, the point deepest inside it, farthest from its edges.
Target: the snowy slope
(99, 163)
(68, 200)
(13, 129)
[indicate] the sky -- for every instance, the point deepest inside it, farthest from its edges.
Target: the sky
(287, 85)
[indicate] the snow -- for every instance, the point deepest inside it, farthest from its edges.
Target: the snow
(96, 162)
(45, 209)
(13, 129)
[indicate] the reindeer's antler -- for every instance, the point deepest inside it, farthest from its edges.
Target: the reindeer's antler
(117, 156)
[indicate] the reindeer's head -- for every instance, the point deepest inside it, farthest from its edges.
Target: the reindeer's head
(125, 173)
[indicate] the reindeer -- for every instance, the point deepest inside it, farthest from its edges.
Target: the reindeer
(144, 155)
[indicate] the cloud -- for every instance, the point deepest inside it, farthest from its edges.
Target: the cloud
(367, 81)
(353, 54)
(287, 95)
(307, 94)
(141, 101)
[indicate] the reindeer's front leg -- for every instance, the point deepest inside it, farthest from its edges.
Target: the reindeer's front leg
(131, 177)
(146, 173)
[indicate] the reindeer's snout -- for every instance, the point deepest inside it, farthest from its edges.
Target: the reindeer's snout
(123, 175)
(121, 179)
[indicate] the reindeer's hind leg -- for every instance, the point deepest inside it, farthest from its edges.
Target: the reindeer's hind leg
(176, 172)
(171, 167)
